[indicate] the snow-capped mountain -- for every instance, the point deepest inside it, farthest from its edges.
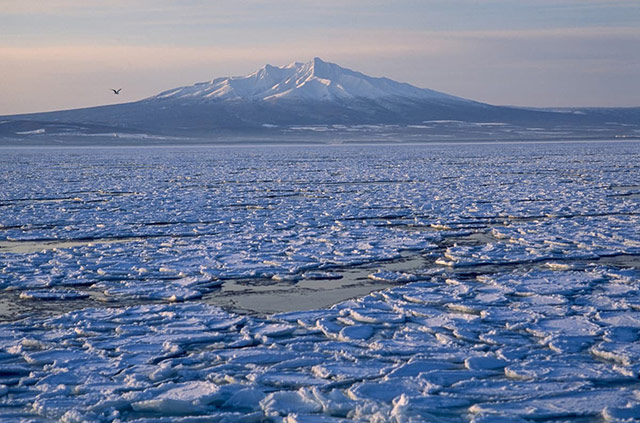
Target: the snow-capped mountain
(315, 80)
(311, 101)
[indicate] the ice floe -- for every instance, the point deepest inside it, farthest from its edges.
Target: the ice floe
(512, 281)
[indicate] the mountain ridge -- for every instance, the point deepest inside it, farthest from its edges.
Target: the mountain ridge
(315, 80)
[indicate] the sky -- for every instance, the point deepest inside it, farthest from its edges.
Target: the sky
(62, 54)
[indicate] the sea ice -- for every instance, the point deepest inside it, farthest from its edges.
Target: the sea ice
(512, 272)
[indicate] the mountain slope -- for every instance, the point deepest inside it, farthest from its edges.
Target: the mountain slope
(315, 80)
(322, 97)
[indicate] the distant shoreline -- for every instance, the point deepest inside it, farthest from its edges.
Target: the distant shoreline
(223, 144)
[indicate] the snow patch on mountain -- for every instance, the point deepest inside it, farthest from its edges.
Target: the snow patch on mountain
(315, 80)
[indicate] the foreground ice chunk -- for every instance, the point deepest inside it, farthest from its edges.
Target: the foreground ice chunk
(245, 399)
(485, 363)
(393, 277)
(367, 316)
(349, 371)
(628, 413)
(560, 405)
(356, 332)
(185, 398)
(275, 330)
(282, 403)
(386, 391)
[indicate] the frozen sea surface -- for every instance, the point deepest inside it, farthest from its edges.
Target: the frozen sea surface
(451, 283)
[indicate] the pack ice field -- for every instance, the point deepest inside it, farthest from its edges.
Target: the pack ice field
(443, 283)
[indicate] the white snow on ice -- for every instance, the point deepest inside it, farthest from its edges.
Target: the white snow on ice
(526, 306)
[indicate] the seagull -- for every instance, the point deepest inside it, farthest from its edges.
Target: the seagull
(116, 91)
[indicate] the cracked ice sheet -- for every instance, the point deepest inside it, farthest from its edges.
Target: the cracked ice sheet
(548, 334)
(230, 213)
(191, 361)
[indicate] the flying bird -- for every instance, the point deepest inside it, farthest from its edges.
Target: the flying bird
(116, 91)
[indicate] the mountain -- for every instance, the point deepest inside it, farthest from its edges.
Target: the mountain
(312, 81)
(315, 100)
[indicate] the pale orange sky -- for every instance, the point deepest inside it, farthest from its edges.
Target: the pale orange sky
(67, 54)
